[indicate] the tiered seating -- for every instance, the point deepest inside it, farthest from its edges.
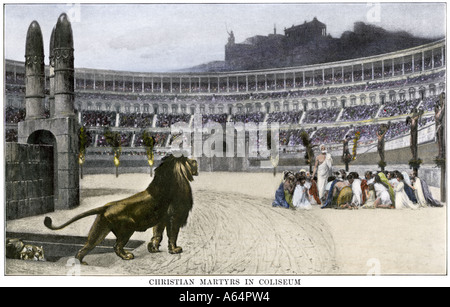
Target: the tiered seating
(285, 117)
(358, 113)
(98, 118)
(140, 120)
(321, 116)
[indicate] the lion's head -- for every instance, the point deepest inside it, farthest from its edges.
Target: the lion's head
(177, 168)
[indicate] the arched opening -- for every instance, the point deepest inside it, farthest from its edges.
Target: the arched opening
(46, 138)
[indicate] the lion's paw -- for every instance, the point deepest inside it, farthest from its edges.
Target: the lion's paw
(127, 256)
(152, 248)
(175, 249)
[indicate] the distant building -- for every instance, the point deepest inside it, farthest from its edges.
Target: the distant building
(309, 44)
(273, 50)
(305, 32)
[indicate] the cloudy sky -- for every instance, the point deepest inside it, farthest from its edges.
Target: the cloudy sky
(163, 37)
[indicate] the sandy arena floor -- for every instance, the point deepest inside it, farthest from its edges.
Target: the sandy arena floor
(234, 230)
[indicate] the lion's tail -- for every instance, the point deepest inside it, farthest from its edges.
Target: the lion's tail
(48, 220)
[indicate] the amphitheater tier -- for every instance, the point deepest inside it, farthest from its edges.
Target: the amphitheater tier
(328, 100)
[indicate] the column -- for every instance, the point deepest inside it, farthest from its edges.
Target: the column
(373, 72)
(34, 72)
(64, 68)
(51, 97)
(362, 72)
(432, 59)
(393, 67)
(403, 66)
(423, 60)
(332, 75)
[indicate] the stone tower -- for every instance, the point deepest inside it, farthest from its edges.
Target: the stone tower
(35, 73)
(60, 130)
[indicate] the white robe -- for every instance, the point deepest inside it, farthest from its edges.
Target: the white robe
(402, 200)
(419, 193)
(324, 170)
(300, 198)
(393, 182)
(357, 198)
(370, 201)
(382, 193)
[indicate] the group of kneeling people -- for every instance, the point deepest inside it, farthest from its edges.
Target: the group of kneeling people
(391, 189)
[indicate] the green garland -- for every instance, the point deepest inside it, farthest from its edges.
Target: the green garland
(83, 142)
(149, 143)
(355, 144)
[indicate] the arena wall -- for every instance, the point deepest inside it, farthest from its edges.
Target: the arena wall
(28, 180)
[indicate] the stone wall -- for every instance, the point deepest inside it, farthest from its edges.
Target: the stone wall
(28, 180)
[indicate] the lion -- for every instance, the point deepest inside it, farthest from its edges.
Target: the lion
(165, 204)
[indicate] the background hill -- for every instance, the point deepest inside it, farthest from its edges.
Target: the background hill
(365, 40)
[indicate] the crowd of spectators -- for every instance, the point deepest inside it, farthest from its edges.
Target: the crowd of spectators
(367, 132)
(430, 102)
(139, 120)
(166, 120)
(125, 140)
(399, 107)
(234, 84)
(329, 135)
(321, 116)
(285, 117)
(360, 112)
(292, 137)
(98, 118)
(277, 92)
(214, 118)
(255, 117)
(159, 137)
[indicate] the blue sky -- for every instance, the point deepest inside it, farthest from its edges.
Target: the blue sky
(163, 37)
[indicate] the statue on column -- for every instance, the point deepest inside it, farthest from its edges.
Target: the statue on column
(231, 39)
(381, 132)
(439, 118)
(440, 127)
(309, 149)
(413, 121)
(346, 156)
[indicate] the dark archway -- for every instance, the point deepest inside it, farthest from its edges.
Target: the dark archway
(46, 138)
